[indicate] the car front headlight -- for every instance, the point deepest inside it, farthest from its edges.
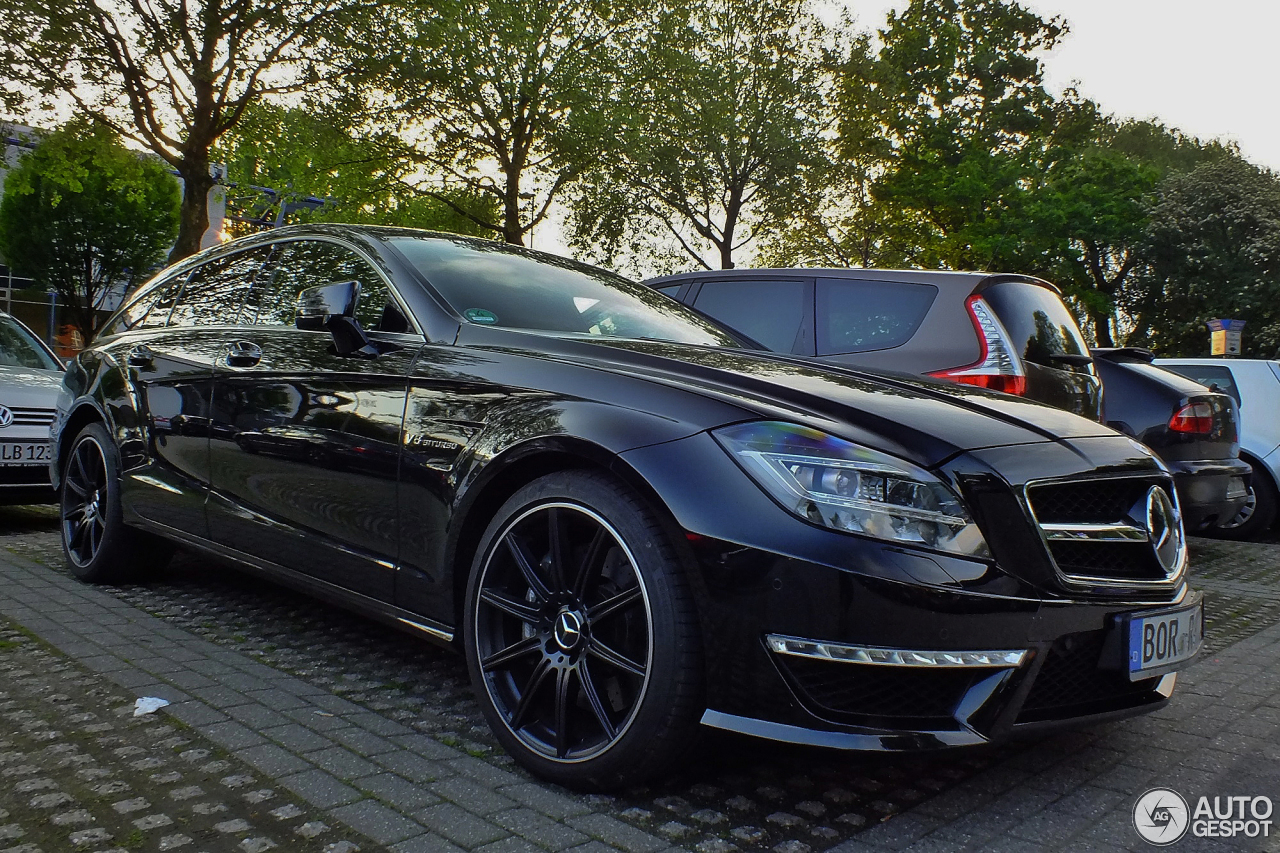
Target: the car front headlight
(845, 486)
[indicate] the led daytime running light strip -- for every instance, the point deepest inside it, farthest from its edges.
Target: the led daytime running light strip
(892, 657)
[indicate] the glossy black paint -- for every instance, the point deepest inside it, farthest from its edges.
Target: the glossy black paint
(1140, 398)
(370, 480)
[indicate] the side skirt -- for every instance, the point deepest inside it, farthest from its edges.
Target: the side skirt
(382, 611)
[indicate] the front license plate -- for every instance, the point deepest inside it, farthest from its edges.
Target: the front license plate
(1159, 642)
(29, 453)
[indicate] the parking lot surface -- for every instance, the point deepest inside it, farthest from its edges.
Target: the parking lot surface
(305, 727)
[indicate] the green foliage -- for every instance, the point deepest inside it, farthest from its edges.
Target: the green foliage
(1213, 250)
(716, 136)
(312, 151)
(498, 99)
(82, 213)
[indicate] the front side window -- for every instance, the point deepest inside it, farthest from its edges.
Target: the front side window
(149, 311)
(309, 263)
(770, 311)
(216, 291)
(19, 348)
(492, 284)
(861, 316)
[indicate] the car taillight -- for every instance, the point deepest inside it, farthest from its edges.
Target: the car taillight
(999, 367)
(1194, 418)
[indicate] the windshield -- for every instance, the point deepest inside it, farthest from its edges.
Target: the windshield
(19, 348)
(492, 284)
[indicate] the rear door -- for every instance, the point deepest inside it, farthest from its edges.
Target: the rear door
(305, 443)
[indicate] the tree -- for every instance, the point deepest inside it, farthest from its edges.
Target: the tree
(1213, 250)
(713, 139)
(957, 89)
(81, 214)
(314, 151)
(173, 75)
(498, 99)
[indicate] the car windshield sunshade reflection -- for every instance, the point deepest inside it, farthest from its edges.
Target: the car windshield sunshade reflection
(495, 285)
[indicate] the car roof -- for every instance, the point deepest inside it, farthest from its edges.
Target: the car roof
(940, 278)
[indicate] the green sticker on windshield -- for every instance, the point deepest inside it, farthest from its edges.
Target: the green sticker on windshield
(479, 315)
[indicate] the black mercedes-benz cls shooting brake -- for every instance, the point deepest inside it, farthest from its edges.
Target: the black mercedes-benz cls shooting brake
(630, 524)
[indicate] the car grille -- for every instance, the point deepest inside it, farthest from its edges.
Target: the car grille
(1071, 684)
(31, 417)
(1114, 501)
(879, 694)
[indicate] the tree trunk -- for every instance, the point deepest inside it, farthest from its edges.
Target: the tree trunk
(193, 216)
(1102, 328)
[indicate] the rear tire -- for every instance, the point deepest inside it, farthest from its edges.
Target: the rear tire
(581, 636)
(98, 546)
(1258, 514)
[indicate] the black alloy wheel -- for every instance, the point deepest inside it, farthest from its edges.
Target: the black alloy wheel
(1257, 515)
(98, 546)
(580, 636)
(84, 502)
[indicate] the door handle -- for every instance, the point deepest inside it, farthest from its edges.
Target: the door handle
(142, 356)
(244, 354)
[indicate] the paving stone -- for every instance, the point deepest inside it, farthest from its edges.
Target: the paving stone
(459, 826)
(539, 829)
(378, 822)
(320, 789)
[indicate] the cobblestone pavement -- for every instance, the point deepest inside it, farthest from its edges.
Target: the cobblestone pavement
(403, 748)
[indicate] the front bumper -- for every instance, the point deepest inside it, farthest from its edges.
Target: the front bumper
(757, 571)
(1210, 491)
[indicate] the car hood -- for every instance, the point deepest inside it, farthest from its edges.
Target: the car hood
(29, 388)
(917, 418)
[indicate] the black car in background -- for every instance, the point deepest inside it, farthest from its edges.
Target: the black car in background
(1008, 333)
(1193, 430)
(629, 524)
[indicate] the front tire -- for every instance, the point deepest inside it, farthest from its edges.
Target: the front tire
(581, 635)
(98, 546)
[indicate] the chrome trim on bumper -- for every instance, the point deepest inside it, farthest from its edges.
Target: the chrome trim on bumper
(844, 653)
(1094, 533)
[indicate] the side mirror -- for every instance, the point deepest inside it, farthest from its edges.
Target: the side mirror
(316, 305)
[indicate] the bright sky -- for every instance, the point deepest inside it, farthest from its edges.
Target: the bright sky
(1206, 67)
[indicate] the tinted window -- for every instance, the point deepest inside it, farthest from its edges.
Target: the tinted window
(670, 289)
(496, 285)
(19, 348)
(1209, 376)
(309, 263)
(1037, 321)
(149, 311)
(859, 316)
(216, 291)
(771, 312)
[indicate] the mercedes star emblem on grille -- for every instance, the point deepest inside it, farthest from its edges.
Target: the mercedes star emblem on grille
(1164, 527)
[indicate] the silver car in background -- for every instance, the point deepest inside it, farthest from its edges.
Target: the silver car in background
(30, 378)
(1255, 385)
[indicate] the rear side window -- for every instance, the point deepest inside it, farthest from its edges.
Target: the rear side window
(216, 291)
(1039, 325)
(860, 316)
(1208, 375)
(770, 311)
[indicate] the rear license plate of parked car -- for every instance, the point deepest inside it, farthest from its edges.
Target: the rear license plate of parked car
(29, 453)
(1158, 642)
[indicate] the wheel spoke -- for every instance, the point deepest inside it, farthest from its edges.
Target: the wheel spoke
(525, 565)
(611, 606)
(589, 560)
(559, 550)
(510, 606)
(512, 653)
(531, 686)
(75, 471)
(562, 711)
(75, 487)
(615, 658)
(77, 535)
(95, 537)
(593, 699)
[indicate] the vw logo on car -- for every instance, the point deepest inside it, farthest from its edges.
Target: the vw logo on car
(6, 416)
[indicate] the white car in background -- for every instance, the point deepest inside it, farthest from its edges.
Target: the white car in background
(1255, 385)
(30, 379)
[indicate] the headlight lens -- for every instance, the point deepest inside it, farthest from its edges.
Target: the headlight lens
(844, 486)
